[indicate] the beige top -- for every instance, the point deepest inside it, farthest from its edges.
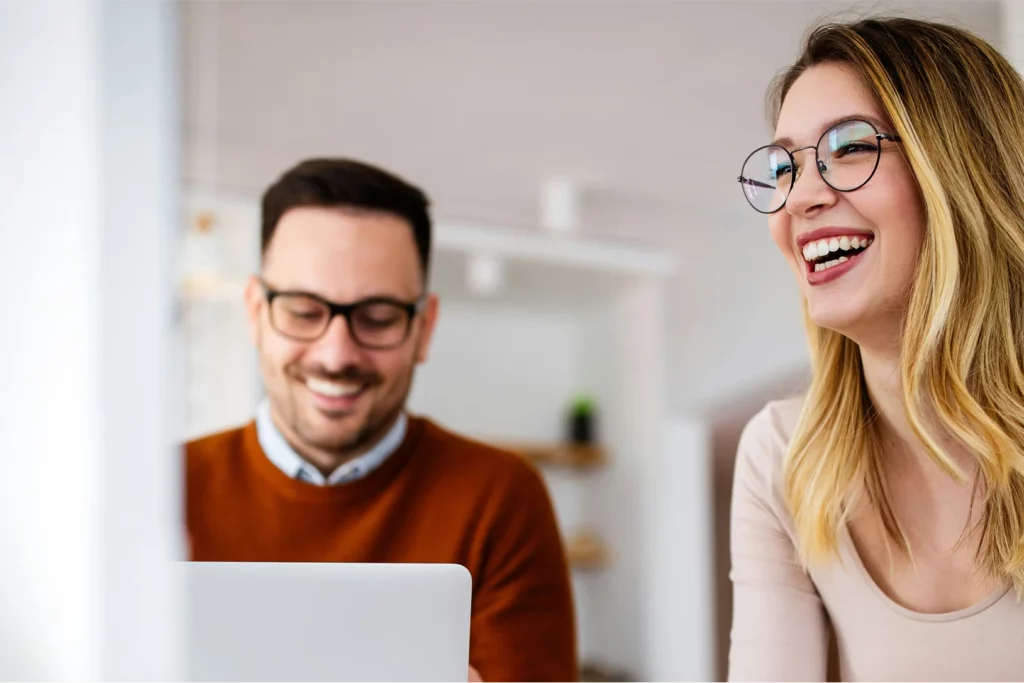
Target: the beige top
(781, 612)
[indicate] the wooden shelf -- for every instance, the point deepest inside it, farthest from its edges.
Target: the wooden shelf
(599, 673)
(592, 672)
(578, 456)
(212, 289)
(586, 551)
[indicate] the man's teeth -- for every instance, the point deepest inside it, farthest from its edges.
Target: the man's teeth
(333, 389)
(815, 250)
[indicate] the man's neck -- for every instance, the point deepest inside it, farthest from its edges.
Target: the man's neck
(326, 461)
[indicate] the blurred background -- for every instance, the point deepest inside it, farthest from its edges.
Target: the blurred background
(593, 253)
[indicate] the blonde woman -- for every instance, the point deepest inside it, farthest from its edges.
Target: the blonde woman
(887, 504)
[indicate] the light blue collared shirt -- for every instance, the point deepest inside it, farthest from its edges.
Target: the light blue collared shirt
(281, 453)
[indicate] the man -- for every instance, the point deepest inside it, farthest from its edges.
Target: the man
(332, 469)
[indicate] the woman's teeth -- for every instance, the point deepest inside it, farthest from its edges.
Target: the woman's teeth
(818, 267)
(841, 246)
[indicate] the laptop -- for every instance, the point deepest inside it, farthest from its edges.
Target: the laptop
(259, 621)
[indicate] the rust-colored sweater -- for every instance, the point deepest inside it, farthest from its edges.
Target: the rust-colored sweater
(438, 498)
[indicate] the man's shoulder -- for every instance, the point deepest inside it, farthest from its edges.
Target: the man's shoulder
(474, 457)
(211, 449)
(502, 488)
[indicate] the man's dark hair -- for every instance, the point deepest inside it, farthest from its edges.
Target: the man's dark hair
(347, 183)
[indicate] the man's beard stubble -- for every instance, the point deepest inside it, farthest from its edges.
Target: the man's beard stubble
(380, 418)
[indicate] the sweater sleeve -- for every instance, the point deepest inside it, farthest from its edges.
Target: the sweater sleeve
(523, 626)
(779, 627)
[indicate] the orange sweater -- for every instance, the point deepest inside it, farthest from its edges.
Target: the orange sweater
(438, 498)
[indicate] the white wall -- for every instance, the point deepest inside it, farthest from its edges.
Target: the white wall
(89, 509)
(1012, 32)
(525, 358)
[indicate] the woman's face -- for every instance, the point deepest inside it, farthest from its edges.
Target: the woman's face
(864, 295)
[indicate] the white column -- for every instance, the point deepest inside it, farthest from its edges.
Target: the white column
(89, 482)
(679, 558)
(1012, 29)
(674, 573)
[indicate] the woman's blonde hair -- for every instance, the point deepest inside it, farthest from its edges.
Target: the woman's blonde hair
(958, 106)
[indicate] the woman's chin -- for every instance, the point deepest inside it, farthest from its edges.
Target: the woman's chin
(843, 319)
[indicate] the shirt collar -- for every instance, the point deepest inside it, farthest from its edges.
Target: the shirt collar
(280, 452)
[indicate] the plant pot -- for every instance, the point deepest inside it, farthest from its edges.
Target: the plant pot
(581, 428)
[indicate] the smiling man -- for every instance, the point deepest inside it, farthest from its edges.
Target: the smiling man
(332, 468)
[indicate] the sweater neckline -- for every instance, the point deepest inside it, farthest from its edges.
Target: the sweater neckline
(956, 615)
(303, 492)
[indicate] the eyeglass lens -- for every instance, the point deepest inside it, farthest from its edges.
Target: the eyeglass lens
(848, 154)
(374, 324)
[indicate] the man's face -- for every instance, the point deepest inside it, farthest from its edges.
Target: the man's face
(331, 395)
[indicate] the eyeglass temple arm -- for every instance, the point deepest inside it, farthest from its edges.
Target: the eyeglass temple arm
(756, 183)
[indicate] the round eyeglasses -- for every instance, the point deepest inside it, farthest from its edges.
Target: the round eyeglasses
(846, 156)
(377, 323)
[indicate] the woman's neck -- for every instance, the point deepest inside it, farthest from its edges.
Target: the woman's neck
(885, 387)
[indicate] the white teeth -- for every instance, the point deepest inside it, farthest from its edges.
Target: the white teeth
(333, 389)
(815, 250)
(818, 267)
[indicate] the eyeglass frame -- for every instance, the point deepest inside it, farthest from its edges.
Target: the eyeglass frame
(817, 162)
(344, 310)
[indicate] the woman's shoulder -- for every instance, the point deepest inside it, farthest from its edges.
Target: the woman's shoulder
(776, 421)
(765, 441)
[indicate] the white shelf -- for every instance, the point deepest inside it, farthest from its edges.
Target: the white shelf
(540, 269)
(239, 214)
(552, 249)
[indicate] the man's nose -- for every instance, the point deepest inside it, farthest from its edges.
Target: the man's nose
(336, 348)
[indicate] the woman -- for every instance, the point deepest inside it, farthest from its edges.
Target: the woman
(887, 505)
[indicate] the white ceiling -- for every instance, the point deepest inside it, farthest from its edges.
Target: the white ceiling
(478, 101)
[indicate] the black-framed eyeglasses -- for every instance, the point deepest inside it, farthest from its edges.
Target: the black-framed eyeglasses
(376, 323)
(846, 157)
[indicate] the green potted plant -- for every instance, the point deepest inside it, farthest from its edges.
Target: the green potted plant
(582, 416)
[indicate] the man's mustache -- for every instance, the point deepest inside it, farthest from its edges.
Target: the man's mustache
(350, 373)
